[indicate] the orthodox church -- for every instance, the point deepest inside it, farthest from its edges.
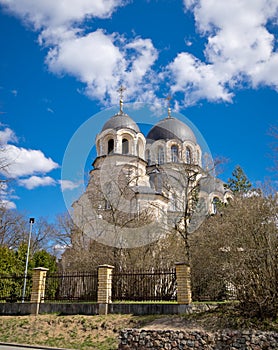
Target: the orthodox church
(142, 185)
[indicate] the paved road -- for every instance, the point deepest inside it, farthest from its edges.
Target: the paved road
(24, 347)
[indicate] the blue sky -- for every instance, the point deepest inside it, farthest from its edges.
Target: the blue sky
(62, 62)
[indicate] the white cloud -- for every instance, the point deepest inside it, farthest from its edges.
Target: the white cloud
(200, 80)
(7, 204)
(128, 63)
(7, 135)
(36, 181)
(6, 196)
(77, 56)
(21, 162)
(45, 13)
(239, 49)
(69, 185)
(50, 110)
(100, 60)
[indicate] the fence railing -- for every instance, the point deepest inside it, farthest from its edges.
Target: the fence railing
(144, 286)
(83, 286)
(11, 287)
(72, 286)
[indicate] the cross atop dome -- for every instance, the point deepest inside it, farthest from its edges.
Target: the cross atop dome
(169, 98)
(121, 92)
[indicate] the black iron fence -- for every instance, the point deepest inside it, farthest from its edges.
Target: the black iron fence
(11, 288)
(71, 286)
(144, 286)
(82, 286)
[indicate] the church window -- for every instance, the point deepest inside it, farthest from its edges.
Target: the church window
(125, 146)
(107, 204)
(215, 205)
(110, 146)
(188, 155)
(174, 154)
(160, 156)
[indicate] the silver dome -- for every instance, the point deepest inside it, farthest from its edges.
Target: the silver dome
(120, 121)
(170, 128)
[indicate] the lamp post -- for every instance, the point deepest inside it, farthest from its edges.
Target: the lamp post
(31, 222)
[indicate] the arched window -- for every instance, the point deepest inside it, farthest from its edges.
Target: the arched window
(160, 155)
(148, 157)
(125, 146)
(110, 146)
(174, 154)
(215, 205)
(140, 148)
(188, 155)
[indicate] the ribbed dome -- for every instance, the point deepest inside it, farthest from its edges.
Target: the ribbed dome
(120, 121)
(170, 128)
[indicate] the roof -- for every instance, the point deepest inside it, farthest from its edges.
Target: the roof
(121, 121)
(171, 128)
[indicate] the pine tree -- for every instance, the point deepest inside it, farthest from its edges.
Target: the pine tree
(239, 183)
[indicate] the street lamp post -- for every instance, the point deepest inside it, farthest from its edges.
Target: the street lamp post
(31, 222)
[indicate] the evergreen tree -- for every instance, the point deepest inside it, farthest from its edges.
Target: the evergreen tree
(239, 183)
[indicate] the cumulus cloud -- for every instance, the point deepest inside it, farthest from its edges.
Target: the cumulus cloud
(18, 161)
(197, 79)
(21, 162)
(7, 204)
(239, 49)
(7, 135)
(103, 61)
(53, 13)
(69, 185)
(6, 196)
(37, 181)
(100, 60)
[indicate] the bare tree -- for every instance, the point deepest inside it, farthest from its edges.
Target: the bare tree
(240, 246)
(113, 217)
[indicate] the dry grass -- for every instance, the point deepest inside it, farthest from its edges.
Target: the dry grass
(101, 332)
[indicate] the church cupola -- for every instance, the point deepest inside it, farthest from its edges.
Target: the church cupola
(120, 135)
(172, 141)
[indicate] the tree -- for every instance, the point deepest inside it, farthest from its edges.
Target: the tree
(12, 228)
(240, 248)
(239, 183)
(111, 210)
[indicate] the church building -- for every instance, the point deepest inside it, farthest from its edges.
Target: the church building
(142, 185)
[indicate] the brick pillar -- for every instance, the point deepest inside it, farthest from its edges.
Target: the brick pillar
(183, 283)
(38, 289)
(104, 292)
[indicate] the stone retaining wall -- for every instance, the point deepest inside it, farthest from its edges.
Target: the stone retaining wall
(132, 339)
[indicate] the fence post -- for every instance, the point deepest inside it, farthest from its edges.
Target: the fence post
(104, 291)
(183, 283)
(38, 289)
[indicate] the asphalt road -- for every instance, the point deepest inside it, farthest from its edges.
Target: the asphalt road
(24, 347)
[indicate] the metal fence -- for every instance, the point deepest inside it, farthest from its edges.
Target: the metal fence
(82, 286)
(144, 286)
(71, 286)
(11, 287)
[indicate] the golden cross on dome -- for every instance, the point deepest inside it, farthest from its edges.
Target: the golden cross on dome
(121, 92)
(169, 98)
